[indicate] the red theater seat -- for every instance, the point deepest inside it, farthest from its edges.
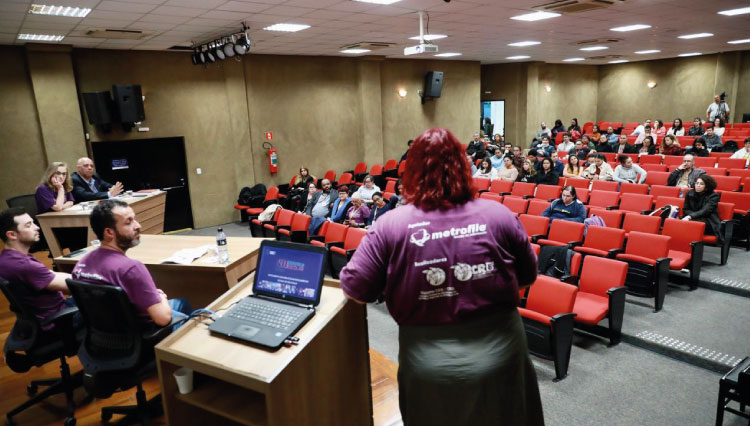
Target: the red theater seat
(633, 188)
(502, 187)
(523, 189)
(612, 218)
(339, 256)
(536, 226)
(284, 220)
(601, 294)
(641, 223)
(297, 233)
(564, 232)
(602, 241)
(663, 190)
(537, 207)
(604, 185)
(636, 203)
(726, 227)
(516, 205)
(648, 266)
(547, 192)
(685, 246)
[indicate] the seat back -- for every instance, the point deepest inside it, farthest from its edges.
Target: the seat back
(390, 164)
(501, 186)
(481, 184)
(401, 168)
(716, 171)
(649, 159)
(534, 225)
(516, 205)
(549, 296)
(523, 189)
(28, 202)
(599, 274)
(658, 178)
(641, 223)
(272, 194)
(725, 211)
(390, 186)
(300, 222)
(604, 238)
(27, 329)
(361, 167)
(353, 238)
(741, 200)
(376, 170)
(583, 194)
(285, 217)
(565, 231)
(537, 207)
(612, 218)
(336, 232)
(346, 179)
(669, 201)
(651, 246)
(604, 185)
(683, 233)
(603, 198)
(742, 173)
(727, 183)
(491, 196)
(547, 192)
(577, 183)
(633, 188)
(330, 175)
(704, 162)
(732, 163)
(663, 190)
(654, 167)
(636, 202)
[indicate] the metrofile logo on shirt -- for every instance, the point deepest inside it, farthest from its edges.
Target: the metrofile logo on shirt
(422, 236)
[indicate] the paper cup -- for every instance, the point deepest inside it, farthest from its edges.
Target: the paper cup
(184, 378)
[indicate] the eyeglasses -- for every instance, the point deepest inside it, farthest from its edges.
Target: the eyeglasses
(61, 173)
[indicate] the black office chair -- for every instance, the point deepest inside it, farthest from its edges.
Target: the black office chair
(118, 351)
(734, 386)
(28, 202)
(29, 345)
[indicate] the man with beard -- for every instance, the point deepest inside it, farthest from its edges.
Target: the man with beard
(45, 293)
(113, 222)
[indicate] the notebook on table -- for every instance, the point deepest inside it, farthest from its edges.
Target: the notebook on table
(286, 289)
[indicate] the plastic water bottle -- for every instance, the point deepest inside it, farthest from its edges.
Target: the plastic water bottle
(221, 246)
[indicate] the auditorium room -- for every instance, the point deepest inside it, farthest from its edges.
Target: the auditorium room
(375, 212)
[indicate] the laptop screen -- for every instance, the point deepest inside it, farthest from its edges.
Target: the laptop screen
(290, 271)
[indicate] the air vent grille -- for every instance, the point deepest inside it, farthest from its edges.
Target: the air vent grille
(370, 45)
(118, 33)
(577, 6)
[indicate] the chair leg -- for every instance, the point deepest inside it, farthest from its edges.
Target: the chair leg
(65, 384)
(720, 408)
(140, 413)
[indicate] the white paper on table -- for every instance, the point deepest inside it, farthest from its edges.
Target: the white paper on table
(186, 256)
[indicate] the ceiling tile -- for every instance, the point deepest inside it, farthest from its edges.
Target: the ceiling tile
(179, 11)
(120, 6)
(241, 6)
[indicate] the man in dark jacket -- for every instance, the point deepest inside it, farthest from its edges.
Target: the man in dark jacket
(476, 148)
(88, 186)
(684, 176)
(320, 206)
(567, 207)
(623, 147)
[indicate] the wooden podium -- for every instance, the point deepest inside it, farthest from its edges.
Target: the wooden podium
(324, 380)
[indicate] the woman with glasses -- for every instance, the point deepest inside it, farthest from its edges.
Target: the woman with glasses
(55, 192)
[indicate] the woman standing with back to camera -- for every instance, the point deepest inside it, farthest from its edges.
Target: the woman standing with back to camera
(449, 267)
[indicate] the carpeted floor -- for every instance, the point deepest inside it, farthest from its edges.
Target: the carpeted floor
(626, 384)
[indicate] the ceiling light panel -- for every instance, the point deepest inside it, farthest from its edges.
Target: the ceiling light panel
(574, 59)
(69, 11)
(517, 57)
(630, 27)
(684, 55)
(747, 40)
(618, 61)
(647, 52)
(40, 37)
(535, 16)
(696, 35)
(429, 37)
(287, 28)
(354, 51)
(525, 43)
(448, 54)
(733, 12)
(378, 1)
(593, 48)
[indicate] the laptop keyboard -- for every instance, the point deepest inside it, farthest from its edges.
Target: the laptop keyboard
(265, 314)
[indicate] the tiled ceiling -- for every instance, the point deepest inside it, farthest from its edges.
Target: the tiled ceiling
(478, 29)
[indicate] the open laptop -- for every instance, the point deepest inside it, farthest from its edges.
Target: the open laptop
(286, 288)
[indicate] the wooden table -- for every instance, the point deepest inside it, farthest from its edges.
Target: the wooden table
(200, 282)
(149, 211)
(322, 381)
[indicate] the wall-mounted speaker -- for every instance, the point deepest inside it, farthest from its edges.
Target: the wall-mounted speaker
(128, 102)
(98, 107)
(433, 84)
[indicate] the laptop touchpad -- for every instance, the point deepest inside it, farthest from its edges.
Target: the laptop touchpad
(245, 331)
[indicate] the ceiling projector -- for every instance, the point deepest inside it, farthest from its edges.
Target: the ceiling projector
(421, 48)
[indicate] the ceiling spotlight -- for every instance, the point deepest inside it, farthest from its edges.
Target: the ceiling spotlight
(229, 47)
(243, 44)
(195, 57)
(218, 51)
(210, 58)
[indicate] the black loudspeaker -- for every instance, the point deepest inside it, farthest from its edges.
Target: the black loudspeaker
(98, 107)
(128, 102)
(746, 118)
(433, 84)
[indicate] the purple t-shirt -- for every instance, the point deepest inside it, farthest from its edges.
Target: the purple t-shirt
(16, 266)
(46, 198)
(104, 266)
(358, 216)
(440, 267)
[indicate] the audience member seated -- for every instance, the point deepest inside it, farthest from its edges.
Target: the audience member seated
(566, 145)
(744, 152)
(114, 223)
(398, 199)
(304, 202)
(623, 147)
(45, 296)
(518, 157)
(647, 148)
(497, 160)
(676, 128)
(596, 133)
(339, 207)
(367, 189)
(573, 169)
(54, 193)
(546, 175)
(358, 212)
(527, 173)
(628, 172)
(544, 147)
(697, 128)
(603, 144)
(300, 185)
(557, 165)
(699, 148)
(587, 142)
(599, 170)
(670, 146)
(408, 146)
(88, 186)
(641, 136)
(685, 174)
(379, 208)
(702, 205)
(575, 130)
(543, 131)
(476, 147)
(557, 129)
(719, 127)
(641, 127)
(319, 207)
(567, 207)
(579, 151)
(486, 170)
(658, 129)
(712, 140)
(508, 171)
(612, 137)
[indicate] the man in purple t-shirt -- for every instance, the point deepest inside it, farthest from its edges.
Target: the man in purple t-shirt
(18, 232)
(113, 222)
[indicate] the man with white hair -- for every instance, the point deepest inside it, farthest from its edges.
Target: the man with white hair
(717, 109)
(88, 186)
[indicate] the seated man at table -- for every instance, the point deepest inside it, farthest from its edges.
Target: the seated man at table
(113, 222)
(88, 186)
(45, 298)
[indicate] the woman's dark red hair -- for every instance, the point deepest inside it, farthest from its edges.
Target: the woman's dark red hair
(437, 175)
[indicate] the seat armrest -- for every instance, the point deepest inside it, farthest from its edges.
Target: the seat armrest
(611, 207)
(158, 333)
(563, 316)
(350, 253)
(269, 222)
(537, 237)
(645, 211)
(335, 244)
(570, 279)
(62, 315)
(526, 197)
(320, 238)
(288, 227)
(572, 244)
(298, 236)
(479, 191)
(612, 253)
(504, 193)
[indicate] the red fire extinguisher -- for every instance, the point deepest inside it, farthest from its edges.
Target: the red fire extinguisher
(273, 157)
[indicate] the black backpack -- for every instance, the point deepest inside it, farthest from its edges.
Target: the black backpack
(730, 146)
(249, 196)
